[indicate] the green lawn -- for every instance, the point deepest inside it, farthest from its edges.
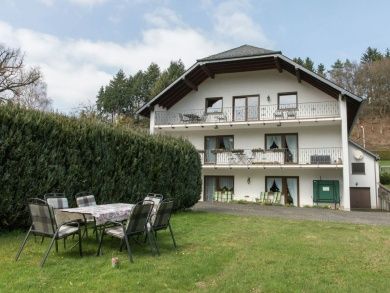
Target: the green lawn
(217, 253)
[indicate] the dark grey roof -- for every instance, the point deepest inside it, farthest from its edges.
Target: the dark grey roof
(364, 150)
(242, 51)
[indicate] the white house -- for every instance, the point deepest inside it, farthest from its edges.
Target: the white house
(263, 123)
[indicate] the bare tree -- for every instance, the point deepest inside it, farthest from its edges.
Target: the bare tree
(33, 96)
(13, 74)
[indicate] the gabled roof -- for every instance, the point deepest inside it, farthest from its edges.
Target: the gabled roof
(376, 156)
(242, 51)
(242, 59)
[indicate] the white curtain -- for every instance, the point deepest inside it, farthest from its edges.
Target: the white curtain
(292, 185)
(273, 140)
(226, 182)
(210, 187)
(211, 145)
(228, 142)
(291, 141)
(270, 183)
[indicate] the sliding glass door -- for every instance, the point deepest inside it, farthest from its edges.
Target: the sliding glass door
(288, 186)
(246, 108)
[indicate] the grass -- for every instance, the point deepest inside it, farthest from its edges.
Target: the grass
(384, 162)
(217, 253)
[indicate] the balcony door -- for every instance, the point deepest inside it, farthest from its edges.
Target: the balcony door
(288, 186)
(285, 142)
(246, 108)
(215, 144)
(217, 183)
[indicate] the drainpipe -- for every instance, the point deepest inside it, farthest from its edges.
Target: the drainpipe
(364, 137)
(346, 201)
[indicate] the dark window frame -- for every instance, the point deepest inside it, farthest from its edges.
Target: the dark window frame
(288, 94)
(210, 99)
(218, 183)
(359, 171)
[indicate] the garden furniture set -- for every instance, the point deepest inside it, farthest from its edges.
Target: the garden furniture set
(53, 218)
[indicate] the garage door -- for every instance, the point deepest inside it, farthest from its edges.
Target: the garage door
(360, 198)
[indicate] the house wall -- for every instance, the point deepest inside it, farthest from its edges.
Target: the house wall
(308, 136)
(245, 191)
(264, 83)
(370, 179)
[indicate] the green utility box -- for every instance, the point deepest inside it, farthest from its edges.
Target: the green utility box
(326, 191)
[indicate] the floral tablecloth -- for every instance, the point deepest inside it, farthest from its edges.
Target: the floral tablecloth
(102, 213)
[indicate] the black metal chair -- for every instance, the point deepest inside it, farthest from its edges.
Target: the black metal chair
(86, 199)
(161, 221)
(136, 225)
(45, 225)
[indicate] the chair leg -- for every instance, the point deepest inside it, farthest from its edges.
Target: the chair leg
(43, 238)
(152, 235)
(128, 248)
(80, 246)
(56, 246)
(100, 244)
(23, 244)
(173, 238)
(48, 250)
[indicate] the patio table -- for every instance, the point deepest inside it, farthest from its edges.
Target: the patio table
(102, 213)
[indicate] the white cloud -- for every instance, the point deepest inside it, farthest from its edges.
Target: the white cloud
(75, 69)
(77, 2)
(87, 2)
(163, 17)
(232, 20)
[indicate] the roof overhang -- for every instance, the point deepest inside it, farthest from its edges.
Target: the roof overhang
(203, 70)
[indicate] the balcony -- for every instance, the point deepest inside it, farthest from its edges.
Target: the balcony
(325, 111)
(259, 158)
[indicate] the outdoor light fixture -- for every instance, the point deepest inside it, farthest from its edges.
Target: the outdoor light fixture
(268, 98)
(248, 180)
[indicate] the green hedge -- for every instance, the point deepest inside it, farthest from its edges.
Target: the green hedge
(41, 153)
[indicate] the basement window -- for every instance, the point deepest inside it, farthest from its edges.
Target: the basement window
(214, 105)
(358, 168)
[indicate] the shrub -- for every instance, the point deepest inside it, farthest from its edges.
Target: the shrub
(385, 178)
(41, 153)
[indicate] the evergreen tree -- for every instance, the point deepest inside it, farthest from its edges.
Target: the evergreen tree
(175, 69)
(371, 55)
(321, 70)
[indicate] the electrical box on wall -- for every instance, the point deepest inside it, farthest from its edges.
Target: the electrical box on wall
(326, 191)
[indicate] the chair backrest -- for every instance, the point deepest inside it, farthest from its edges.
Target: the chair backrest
(85, 199)
(155, 198)
(163, 215)
(139, 217)
(57, 200)
(41, 217)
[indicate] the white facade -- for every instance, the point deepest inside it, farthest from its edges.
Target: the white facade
(312, 136)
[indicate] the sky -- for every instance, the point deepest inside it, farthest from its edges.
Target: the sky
(80, 44)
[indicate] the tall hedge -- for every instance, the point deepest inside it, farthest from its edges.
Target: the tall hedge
(41, 153)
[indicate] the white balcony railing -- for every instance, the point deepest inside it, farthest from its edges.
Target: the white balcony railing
(250, 114)
(301, 156)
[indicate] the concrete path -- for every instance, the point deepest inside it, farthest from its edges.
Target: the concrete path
(314, 214)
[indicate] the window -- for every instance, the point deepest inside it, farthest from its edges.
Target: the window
(358, 168)
(212, 143)
(287, 142)
(213, 105)
(287, 101)
(246, 108)
(288, 186)
(217, 183)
